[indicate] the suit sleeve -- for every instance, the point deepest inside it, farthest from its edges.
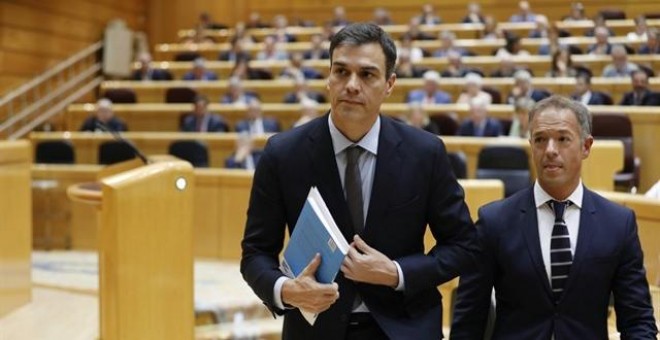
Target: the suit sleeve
(632, 300)
(451, 225)
(264, 231)
(473, 298)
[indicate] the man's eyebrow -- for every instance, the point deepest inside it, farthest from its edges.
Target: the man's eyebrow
(362, 68)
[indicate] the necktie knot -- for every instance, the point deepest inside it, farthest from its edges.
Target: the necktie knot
(559, 207)
(353, 152)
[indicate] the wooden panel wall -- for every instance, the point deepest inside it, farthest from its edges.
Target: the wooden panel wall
(167, 16)
(35, 35)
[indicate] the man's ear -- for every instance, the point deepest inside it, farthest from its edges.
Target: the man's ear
(390, 84)
(586, 147)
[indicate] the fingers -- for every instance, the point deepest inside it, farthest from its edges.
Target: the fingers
(313, 265)
(361, 245)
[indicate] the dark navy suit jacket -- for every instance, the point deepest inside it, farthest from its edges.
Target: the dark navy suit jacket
(215, 123)
(270, 125)
(493, 128)
(608, 259)
(413, 187)
(440, 97)
(597, 98)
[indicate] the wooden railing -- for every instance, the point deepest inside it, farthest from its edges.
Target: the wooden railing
(33, 103)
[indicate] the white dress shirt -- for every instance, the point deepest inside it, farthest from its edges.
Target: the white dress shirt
(546, 220)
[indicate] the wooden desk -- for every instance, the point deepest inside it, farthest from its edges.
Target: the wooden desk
(539, 65)
(86, 144)
(608, 155)
(273, 91)
(15, 226)
(620, 27)
(211, 51)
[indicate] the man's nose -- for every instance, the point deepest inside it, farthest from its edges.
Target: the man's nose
(353, 84)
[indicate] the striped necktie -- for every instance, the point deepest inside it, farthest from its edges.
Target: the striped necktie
(561, 258)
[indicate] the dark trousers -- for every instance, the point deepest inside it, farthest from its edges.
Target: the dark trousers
(363, 327)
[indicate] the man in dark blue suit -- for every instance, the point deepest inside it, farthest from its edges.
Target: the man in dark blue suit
(255, 123)
(585, 95)
(555, 252)
(641, 95)
(479, 124)
(397, 181)
(146, 72)
(430, 94)
(522, 87)
(201, 120)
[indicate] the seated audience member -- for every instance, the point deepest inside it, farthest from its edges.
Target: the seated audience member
(430, 94)
(576, 13)
(415, 32)
(473, 14)
(271, 51)
(542, 27)
(520, 120)
(447, 45)
(641, 29)
(654, 192)
(382, 17)
(206, 21)
(455, 67)
(339, 16)
(308, 111)
(281, 35)
(522, 87)
(254, 21)
(236, 94)
(479, 124)
(491, 30)
(245, 156)
(414, 53)
(584, 94)
(105, 117)
(405, 68)
(473, 83)
(254, 123)
(317, 51)
(199, 72)
(146, 72)
(236, 52)
(297, 69)
(620, 66)
(651, 46)
(553, 44)
(417, 117)
(241, 33)
(562, 64)
(201, 120)
(428, 16)
(506, 69)
(200, 36)
(524, 15)
(602, 45)
(512, 47)
(301, 92)
(641, 93)
(243, 71)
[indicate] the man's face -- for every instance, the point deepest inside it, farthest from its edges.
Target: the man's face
(104, 114)
(581, 86)
(640, 81)
(200, 107)
(357, 85)
(557, 150)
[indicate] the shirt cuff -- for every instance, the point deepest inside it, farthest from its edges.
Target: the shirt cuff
(402, 285)
(277, 292)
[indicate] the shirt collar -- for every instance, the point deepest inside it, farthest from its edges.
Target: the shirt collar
(369, 142)
(541, 197)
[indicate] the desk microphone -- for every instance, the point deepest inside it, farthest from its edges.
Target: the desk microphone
(119, 138)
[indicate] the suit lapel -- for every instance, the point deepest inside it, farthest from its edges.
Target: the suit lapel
(587, 223)
(531, 230)
(326, 175)
(388, 167)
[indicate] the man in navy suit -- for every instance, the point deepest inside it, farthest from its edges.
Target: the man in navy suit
(103, 116)
(641, 95)
(398, 181)
(146, 72)
(479, 124)
(430, 94)
(555, 252)
(522, 87)
(585, 95)
(199, 72)
(255, 123)
(203, 121)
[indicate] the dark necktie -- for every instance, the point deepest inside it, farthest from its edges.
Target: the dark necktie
(353, 187)
(561, 258)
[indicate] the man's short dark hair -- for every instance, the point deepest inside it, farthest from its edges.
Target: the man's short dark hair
(585, 76)
(365, 33)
